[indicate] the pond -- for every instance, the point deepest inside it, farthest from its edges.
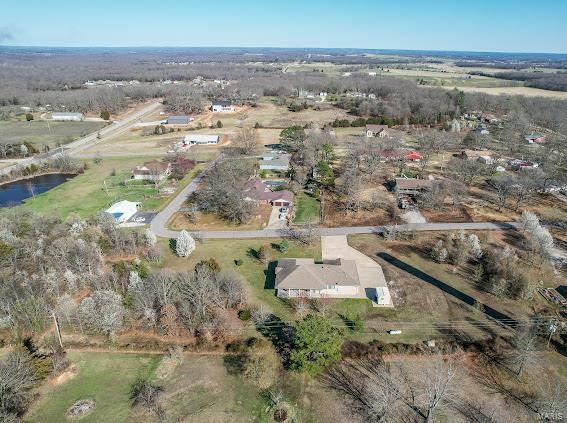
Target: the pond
(14, 193)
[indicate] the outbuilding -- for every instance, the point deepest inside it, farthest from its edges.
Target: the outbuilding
(64, 116)
(200, 139)
(178, 120)
(123, 210)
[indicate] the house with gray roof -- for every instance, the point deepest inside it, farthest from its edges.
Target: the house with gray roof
(178, 120)
(278, 162)
(302, 277)
(222, 106)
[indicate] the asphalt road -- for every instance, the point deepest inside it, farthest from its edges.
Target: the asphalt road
(159, 223)
(114, 129)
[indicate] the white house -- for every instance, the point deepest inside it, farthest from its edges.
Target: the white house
(123, 210)
(275, 162)
(154, 170)
(222, 106)
(63, 116)
(200, 139)
(380, 131)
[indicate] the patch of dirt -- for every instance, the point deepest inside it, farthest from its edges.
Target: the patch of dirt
(68, 374)
(81, 408)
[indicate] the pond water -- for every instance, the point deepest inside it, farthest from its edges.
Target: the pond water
(16, 192)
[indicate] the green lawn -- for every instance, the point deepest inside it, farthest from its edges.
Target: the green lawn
(106, 377)
(225, 252)
(100, 186)
(308, 209)
(39, 133)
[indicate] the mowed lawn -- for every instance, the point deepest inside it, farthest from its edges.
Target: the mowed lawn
(308, 209)
(105, 377)
(100, 186)
(260, 280)
(40, 134)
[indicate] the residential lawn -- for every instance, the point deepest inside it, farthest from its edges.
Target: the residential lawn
(260, 281)
(423, 310)
(210, 222)
(38, 133)
(98, 187)
(308, 209)
(106, 377)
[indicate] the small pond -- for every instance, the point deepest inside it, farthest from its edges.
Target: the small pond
(14, 193)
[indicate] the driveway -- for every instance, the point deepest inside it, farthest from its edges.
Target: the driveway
(413, 216)
(275, 222)
(369, 272)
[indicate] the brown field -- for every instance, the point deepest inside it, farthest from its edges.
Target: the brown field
(210, 222)
(525, 91)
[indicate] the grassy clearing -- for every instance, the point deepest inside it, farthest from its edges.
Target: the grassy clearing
(226, 252)
(106, 377)
(39, 134)
(100, 186)
(308, 209)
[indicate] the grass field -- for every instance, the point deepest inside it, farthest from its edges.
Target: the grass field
(308, 209)
(86, 194)
(106, 377)
(39, 134)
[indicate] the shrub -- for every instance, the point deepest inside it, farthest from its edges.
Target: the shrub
(244, 315)
(238, 262)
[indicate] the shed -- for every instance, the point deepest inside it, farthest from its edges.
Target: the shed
(178, 120)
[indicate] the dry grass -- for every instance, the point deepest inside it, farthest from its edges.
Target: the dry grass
(525, 91)
(210, 222)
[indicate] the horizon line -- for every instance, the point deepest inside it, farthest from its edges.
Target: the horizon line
(283, 48)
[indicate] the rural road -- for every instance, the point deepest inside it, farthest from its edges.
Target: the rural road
(159, 224)
(114, 129)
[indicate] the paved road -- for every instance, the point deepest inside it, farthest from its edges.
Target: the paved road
(112, 130)
(158, 225)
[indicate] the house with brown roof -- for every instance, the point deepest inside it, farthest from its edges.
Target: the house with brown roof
(154, 170)
(256, 190)
(302, 277)
(380, 131)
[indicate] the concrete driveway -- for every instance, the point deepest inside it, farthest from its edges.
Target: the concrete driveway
(275, 222)
(369, 272)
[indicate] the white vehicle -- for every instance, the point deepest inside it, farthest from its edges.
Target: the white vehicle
(140, 219)
(395, 332)
(283, 216)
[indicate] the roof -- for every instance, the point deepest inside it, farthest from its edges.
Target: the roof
(223, 103)
(282, 160)
(151, 167)
(404, 183)
(121, 207)
(201, 138)
(305, 274)
(398, 153)
(66, 114)
(376, 128)
(477, 153)
(257, 190)
(178, 119)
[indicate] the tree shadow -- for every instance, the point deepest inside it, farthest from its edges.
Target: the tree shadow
(253, 253)
(173, 244)
(448, 289)
(270, 273)
(280, 334)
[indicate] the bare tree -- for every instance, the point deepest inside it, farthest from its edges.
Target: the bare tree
(245, 141)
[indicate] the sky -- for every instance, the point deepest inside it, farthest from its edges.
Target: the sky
(476, 25)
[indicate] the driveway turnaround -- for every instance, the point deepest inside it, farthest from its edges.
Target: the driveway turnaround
(369, 272)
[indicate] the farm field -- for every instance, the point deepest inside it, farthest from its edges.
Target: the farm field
(502, 90)
(40, 135)
(104, 377)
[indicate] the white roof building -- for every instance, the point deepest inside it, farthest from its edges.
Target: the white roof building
(200, 139)
(123, 210)
(66, 116)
